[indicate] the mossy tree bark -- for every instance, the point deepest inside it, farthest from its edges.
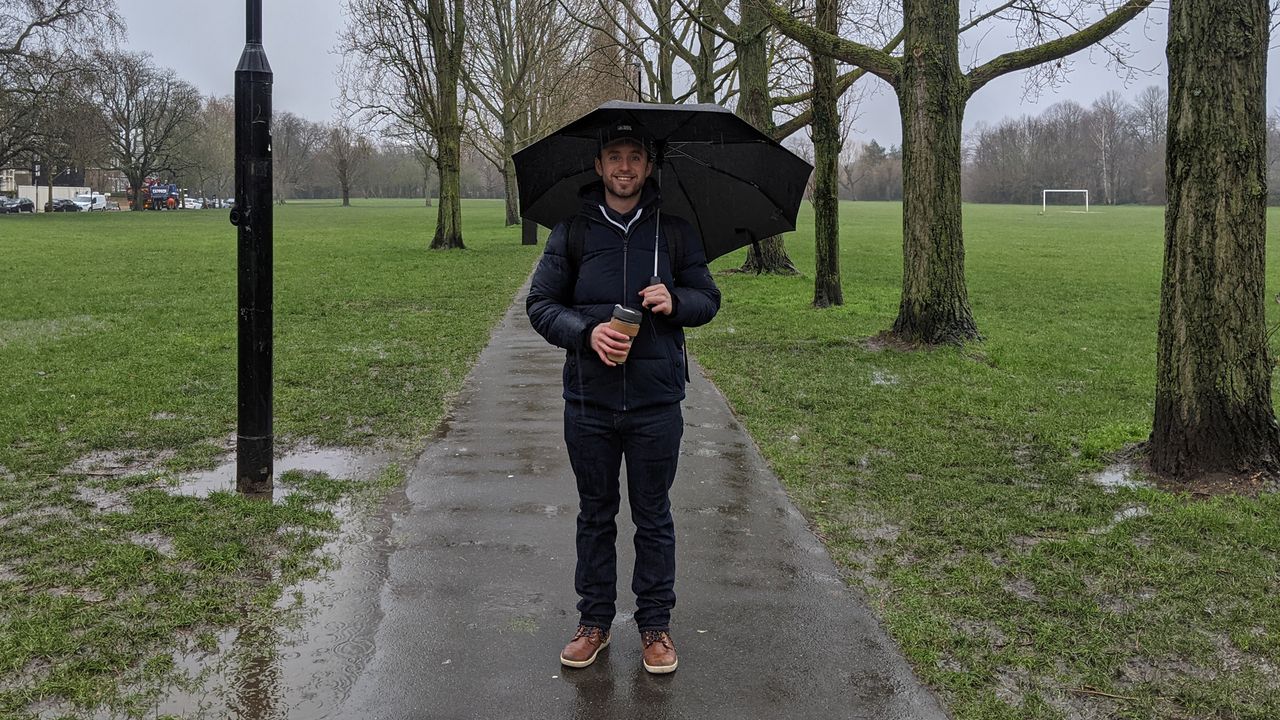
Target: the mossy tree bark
(704, 63)
(1213, 410)
(449, 212)
(509, 175)
(769, 255)
(447, 41)
(932, 94)
(826, 152)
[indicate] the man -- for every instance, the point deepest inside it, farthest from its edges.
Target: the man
(602, 257)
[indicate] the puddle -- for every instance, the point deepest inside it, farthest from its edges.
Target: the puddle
(306, 664)
(1123, 475)
(357, 464)
(47, 330)
(880, 377)
(1132, 512)
(102, 500)
(118, 463)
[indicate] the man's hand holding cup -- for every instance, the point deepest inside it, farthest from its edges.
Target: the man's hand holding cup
(612, 340)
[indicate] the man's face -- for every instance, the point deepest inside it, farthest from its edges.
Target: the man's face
(623, 167)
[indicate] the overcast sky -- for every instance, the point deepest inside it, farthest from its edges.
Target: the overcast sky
(202, 41)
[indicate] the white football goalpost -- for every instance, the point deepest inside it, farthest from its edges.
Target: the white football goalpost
(1044, 199)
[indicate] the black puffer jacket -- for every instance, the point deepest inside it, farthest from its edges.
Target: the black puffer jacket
(616, 265)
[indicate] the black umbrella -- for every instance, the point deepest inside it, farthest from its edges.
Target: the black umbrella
(734, 183)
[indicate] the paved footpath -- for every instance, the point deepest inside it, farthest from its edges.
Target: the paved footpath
(478, 596)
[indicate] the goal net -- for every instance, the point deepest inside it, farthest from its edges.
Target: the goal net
(1044, 198)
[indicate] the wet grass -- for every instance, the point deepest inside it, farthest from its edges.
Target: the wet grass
(953, 485)
(117, 375)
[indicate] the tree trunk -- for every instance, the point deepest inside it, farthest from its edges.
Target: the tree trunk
(1213, 407)
(931, 97)
(666, 55)
(449, 214)
(136, 183)
(704, 71)
(346, 192)
(826, 183)
(752, 46)
(509, 174)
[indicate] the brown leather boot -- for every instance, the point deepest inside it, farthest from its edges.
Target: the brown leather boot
(587, 642)
(659, 651)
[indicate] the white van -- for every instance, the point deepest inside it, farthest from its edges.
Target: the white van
(91, 201)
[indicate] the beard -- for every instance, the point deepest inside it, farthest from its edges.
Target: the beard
(618, 190)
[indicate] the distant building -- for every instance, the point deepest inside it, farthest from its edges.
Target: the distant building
(8, 181)
(65, 176)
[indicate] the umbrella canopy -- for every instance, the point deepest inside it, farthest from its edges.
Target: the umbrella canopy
(734, 183)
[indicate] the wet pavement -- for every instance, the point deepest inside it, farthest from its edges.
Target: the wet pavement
(478, 597)
(454, 600)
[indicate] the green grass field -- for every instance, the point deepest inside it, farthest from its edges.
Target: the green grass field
(118, 345)
(952, 485)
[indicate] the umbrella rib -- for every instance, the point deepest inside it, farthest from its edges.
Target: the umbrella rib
(696, 219)
(715, 169)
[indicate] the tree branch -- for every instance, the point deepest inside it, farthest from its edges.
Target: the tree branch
(876, 62)
(1054, 49)
(985, 16)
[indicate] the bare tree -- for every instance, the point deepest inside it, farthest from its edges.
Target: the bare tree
(522, 60)
(42, 44)
(1113, 139)
(211, 151)
(24, 98)
(656, 38)
(346, 151)
(295, 147)
(147, 116)
(404, 65)
(932, 93)
(32, 29)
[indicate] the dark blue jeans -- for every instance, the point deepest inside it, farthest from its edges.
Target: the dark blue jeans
(649, 440)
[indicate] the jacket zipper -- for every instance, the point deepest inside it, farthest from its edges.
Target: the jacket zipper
(626, 239)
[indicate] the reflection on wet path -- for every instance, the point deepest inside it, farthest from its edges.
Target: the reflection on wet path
(305, 667)
(455, 599)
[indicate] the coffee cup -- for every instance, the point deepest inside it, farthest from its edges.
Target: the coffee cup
(626, 321)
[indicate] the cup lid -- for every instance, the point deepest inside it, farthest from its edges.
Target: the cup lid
(626, 314)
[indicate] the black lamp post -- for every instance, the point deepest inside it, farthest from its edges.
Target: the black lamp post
(252, 217)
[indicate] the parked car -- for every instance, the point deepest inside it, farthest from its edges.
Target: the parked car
(91, 201)
(16, 205)
(62, 205)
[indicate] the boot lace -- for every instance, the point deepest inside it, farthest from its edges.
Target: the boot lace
(590, 632)
(649, 637)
